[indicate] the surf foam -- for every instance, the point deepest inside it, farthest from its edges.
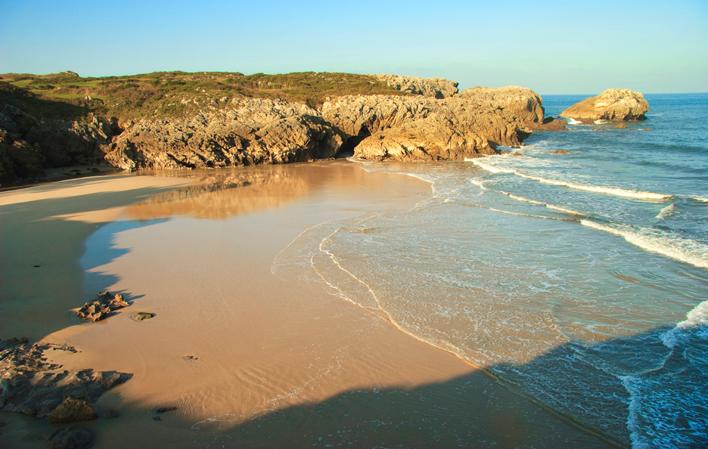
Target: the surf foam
(605, 190)
(683, 250)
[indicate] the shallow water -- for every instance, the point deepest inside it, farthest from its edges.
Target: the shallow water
(579, 276)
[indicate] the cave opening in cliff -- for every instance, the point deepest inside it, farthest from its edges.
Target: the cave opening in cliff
(347, 148)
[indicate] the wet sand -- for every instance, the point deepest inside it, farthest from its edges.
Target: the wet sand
(250, 359)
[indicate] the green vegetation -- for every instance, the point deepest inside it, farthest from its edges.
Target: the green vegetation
(171, 94)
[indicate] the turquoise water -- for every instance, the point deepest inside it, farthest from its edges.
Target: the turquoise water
(580, 276)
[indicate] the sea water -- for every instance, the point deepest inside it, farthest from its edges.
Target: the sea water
(574, 268)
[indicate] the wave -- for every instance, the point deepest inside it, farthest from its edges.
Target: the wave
(696, 319)
(606, 190)
(666, 212)
(478, 183)
(683, 250)
(572, 121)
(541, 203)
(700, 199)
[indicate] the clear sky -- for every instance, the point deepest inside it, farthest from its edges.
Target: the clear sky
(552, 47)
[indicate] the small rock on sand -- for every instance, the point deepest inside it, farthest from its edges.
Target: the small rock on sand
(140, 316)
(101, 307)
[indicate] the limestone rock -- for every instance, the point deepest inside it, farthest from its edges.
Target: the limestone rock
(419, 128)
(612, 105)
(251, 131)
(28, 145)
(141, 316)
(102, 307)
(521, 102)
(31, 385)
(428, 87)
(72, 410)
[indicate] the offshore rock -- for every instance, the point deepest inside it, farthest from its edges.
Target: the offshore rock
(613, 105)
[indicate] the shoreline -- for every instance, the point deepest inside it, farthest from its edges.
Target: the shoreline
(359, 352)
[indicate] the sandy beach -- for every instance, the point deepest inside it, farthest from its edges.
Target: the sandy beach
(249, 354)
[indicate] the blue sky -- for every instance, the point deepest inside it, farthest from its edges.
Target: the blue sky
(552, 47)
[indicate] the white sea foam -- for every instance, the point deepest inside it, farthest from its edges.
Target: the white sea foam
(479, 183)
(696, 318)
(605, 190)
(572, 121)
(677, 248)
(541, 203)
(700, 199)
(666, 212)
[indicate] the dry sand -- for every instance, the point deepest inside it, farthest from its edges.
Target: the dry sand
(249, 358)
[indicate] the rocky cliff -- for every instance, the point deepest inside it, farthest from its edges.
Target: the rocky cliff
(373, 117)
(420, 128)
(612, 105)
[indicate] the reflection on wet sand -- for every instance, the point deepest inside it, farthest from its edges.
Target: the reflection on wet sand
(226, 193)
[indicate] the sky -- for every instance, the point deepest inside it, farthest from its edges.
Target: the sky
(552, 47)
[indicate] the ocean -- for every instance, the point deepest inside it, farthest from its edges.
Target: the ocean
(574, 269)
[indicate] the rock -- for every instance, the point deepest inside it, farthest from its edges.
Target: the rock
(612, 105)
(165, 409)
(552, 124)
(428, 87)
(251, 131)
(521, 102)
(162, 410)
(71, 410)
(140, 316)
(31, 385)
(29, 144)
(561, 152)
(102, 307)
(419, 128)
(72, 438)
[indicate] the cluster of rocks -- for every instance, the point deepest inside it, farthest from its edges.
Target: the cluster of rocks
(103, 306)
(33, 386)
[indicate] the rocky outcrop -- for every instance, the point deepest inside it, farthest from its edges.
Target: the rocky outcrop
(102, 307)
(613, 105)
(31, 385)
(29, 144)
(419, 128)
(430, 120)
(428, 87)
(72, 410)
(250, 131)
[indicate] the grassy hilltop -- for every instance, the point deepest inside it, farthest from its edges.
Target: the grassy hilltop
(173, 94)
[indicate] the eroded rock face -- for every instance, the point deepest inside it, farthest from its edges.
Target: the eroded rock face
(428, 87)
(251, 131)
(420, 128)
(431, 121)
(28, 145)
(613, 105)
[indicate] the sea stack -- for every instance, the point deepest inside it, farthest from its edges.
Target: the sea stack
(614, 105)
